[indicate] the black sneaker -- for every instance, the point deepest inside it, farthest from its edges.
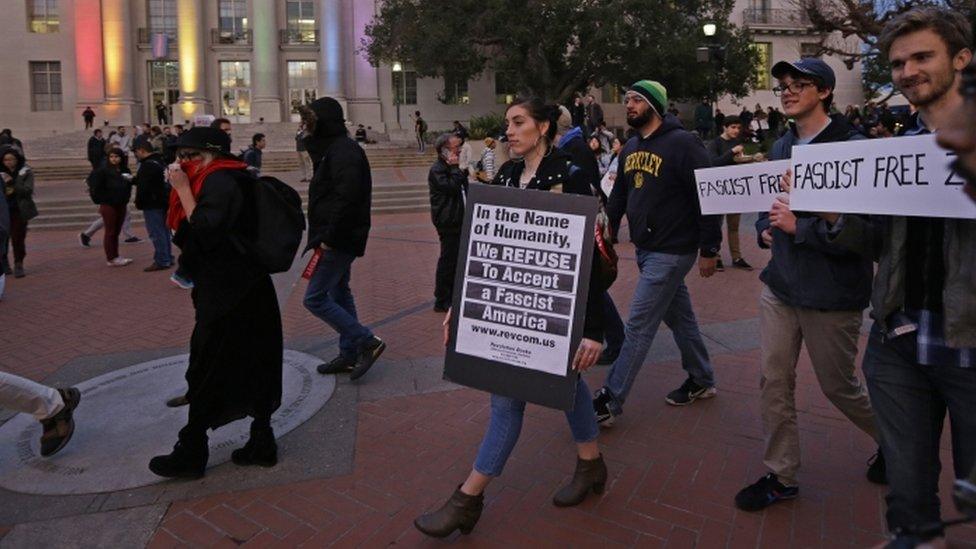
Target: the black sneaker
(688, 393)
(368, 354)
(765, 492)
(719, 266)
(132, 240)
(742, 264)
(338, 365)
(85, 240)
(877, 469)
(601, 405)
(606, 358)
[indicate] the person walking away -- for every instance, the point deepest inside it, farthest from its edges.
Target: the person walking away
(88, 115)
(486, 168)
(339, 198)
(420, 128)
(656, 188)
(304, 160)
(727, 150)
(920, 354)
(18, 190)
(152, 197)
(578, 112)
(111, 189)
(96, 149)
(237, 344)
(704, 119)
(252, 156)
(531, 131)
(815, 292)
(448, 186)
(53, 408)
(594, 115)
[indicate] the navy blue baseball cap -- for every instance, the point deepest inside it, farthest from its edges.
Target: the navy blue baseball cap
(808, 66)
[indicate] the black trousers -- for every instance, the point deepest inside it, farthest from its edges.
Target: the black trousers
(446, 266)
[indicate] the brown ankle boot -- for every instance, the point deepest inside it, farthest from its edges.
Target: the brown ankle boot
(460, 512)
(590, 474)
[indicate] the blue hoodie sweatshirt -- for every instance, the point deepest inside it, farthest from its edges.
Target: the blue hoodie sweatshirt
(656, 188)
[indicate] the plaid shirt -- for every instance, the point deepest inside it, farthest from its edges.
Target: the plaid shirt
(928, 326)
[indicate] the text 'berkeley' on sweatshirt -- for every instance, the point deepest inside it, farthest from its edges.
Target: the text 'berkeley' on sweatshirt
(656, 188)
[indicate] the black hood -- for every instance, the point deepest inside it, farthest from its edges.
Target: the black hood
(329, 120)
(21, 161)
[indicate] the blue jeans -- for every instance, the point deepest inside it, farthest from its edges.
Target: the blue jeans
(160, 236)
(506, 424)
(661, 294)
(613, 329)
(328, 297)
(910, 402)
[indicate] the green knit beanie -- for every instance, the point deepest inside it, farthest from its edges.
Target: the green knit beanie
(655, 94)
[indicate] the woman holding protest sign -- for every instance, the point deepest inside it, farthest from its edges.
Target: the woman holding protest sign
(541, 167)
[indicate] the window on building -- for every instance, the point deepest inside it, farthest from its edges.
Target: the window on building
(300, 21)
(613, 94)
(235, 89)
(764, 50)
(405, 87)
(232, 17)
(162, 18)
(302, 83)
(45, 85)
(809, 49)
(505, 90)
(455, 91)
(42, 16)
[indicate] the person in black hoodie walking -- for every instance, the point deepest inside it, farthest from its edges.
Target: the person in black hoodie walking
(96, 149)
(339, 199)
(448, 186)
(152, 197)
(815, 291)
(655, 187)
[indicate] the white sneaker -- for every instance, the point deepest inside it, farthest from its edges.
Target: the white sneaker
(119, 262)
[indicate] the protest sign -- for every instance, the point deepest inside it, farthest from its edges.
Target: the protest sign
(740, 189)
(520, 293)
(897, 176)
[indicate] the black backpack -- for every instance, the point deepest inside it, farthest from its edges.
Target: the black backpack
(279, 223)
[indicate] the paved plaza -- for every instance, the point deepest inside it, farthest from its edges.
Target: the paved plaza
(376, 453)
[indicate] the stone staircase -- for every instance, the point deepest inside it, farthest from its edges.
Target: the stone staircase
(77, 213)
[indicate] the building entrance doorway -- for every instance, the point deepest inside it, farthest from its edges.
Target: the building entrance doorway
(164, 91)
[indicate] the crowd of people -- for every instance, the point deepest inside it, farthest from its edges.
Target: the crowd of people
(818, 281)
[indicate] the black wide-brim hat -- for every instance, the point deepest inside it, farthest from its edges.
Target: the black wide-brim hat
(205, 139)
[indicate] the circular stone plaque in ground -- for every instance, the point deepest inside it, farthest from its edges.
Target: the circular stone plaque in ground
(123, 421)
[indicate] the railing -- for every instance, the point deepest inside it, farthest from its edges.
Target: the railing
(793, 19)
(297, 37)
(144, 39)
(227, 37)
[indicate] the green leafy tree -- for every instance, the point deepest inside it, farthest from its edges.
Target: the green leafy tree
(554, 48)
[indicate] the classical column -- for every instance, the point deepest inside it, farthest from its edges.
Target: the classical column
(331, 51)
(89, 60)
(364, 96)
(191, 39)
(266, 100)
(121, 105)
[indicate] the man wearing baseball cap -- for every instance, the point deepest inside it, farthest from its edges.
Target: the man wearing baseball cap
(815, 292)
(655, 187)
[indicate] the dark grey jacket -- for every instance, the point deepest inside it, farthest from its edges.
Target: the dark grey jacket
(808, 269)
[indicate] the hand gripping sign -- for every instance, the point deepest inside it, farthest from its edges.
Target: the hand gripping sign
(520, 293)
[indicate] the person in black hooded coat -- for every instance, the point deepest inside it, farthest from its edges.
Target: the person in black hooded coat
(339, 199)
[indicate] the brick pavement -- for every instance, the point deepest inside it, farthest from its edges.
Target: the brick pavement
(674, 471)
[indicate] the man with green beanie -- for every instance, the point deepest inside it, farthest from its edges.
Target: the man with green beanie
(656, 189)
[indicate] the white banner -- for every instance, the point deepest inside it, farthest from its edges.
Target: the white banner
(740, 189)
(895, 176)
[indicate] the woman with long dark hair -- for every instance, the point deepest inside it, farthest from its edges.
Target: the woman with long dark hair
(111, 188)
(18, 189)
(236, 346)
(540, 167)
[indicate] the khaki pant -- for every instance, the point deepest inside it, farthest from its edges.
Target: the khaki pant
(831, 341)
(732, 226)
(305, 163)
(23, 395)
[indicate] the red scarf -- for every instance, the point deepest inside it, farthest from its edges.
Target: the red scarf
(197, 175)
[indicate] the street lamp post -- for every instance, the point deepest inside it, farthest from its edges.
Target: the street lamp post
(713, 54)
(398, 70)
